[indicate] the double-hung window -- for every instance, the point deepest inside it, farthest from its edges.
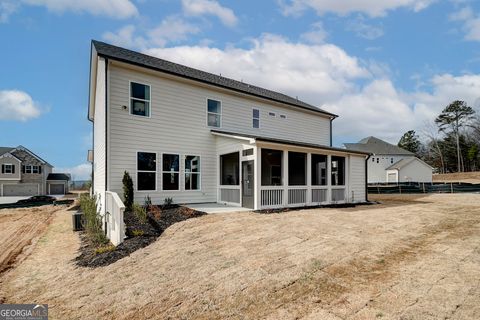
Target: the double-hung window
(146, 171)
(192, 173)
(214, 113)
(8, 168)
(171, 171)
(256, 118)
(139, 99)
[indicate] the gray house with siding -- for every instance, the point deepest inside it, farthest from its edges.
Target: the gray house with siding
(23, 173)
(198, 137)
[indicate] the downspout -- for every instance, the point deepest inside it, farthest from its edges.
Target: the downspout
(331, 140)
(366, 177)
(106, 123)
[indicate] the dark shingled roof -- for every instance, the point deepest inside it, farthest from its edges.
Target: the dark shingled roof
(4, 150)
(136, 58)
(58, 176)
(376, 146)
(288, 142)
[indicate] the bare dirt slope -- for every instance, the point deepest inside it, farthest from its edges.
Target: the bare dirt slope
(410, 258)
(468, 177)
(19, 228)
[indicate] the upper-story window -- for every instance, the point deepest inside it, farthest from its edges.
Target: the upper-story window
(214, 113)
(8, 168)
(31, 169)
(139, 99)
(256, 118)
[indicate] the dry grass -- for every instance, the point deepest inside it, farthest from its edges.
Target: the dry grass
(412, 257)
(468, 177)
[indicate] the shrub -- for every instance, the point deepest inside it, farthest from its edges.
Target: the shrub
(92, 221)
(167, 202)
(137, 233)
(127, 190)
(155, 211)
(103, 249)
(148, 201)
(140, 212)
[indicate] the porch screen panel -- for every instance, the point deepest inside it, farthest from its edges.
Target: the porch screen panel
(272, 167)
(319, 170)
(230, 169)
(338, 171)
(297, 169)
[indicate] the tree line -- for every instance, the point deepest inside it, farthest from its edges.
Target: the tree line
(451, 143)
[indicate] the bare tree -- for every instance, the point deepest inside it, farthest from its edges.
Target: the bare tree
(431, 132)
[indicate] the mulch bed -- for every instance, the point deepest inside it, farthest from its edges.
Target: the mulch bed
(339, 205)
(159, 219)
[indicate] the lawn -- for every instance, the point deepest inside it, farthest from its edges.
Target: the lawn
(411, 257)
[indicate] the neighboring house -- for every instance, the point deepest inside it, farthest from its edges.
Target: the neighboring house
(391, 164)
(23, 173)
(58, 183)
(198, 137)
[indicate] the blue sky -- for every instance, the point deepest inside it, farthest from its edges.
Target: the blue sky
(384, 66)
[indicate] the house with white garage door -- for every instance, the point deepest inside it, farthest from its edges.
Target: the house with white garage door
(198, 137)
(23, 173)
(391, 164)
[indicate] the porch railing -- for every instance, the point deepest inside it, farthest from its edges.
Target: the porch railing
(338, 194)
(297, 196)
(271, 197)
(230, 194)
(319, 195)
(114, 226)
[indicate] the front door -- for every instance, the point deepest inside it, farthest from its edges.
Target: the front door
(248, 184)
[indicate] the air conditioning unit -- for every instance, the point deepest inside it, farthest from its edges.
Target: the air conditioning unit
(77, 221)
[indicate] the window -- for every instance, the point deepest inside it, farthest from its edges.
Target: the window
(139, 99)
(214, 113)
(146, 171)
(373, 159)
(171, 171)
(271, 114)
(229, 169)
(271, 167)
(192, 173)
(8, 168)
(319, 170)
(31, 169)
(391, 160)
(283, 116)
(35, 169)
(247, 152)
(378, 160)
(338, 171)
(256, 118)
(297, 169)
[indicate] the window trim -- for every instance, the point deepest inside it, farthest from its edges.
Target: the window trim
(233, 186)
(11, 168)
(253, 117)
(199, 173)
(207, 112)
(130, 99)
(179, 171)
(137, 171)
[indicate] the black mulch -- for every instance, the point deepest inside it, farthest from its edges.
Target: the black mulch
(146, 232)
(339, 205)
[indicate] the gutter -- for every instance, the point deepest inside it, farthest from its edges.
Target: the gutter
(106, 123)
(366, 177)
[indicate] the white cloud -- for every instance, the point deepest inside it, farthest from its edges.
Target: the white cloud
(6, 9)
(317, 35)
(373, 8)
(17, 105)
(325, 75)
(171, 30)
(81, 172)
(363, 29)
(113, 8)
(210, 7)
(471, 23)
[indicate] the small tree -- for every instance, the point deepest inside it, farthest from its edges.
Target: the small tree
(410, 142)
(127, 190)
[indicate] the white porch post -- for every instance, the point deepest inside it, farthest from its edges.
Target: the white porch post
(285, 177)
(257, 177)
(309, 179)
(329, 178)
(348, 189)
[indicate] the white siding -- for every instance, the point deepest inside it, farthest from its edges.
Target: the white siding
(99, 136)
(377, 171)
(416, 171)
(357, 179)
(178, 124)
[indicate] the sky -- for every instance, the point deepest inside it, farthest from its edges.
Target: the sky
(385, 67)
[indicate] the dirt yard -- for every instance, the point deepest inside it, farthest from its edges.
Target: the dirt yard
(412, 257)
(468, 177)
(19, 230)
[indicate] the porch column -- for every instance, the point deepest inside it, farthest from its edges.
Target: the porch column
(285, 177)
(257, 177)
(309, 179)
(329, 178)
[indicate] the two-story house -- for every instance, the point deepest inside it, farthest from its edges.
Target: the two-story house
(23, 173)
(198, 137)
(391, 164)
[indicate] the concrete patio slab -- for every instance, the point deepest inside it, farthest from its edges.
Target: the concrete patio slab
(216, 208)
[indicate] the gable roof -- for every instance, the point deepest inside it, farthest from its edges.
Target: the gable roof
(58, 176)
(132, 57)
(287, 142)
(4, 150)
(405, 162)
(377, 146)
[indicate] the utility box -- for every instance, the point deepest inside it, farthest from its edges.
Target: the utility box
(77, 221)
